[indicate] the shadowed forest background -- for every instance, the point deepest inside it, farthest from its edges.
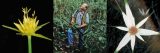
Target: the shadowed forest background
(95, 40)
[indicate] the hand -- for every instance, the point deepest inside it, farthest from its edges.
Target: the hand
(79, 26)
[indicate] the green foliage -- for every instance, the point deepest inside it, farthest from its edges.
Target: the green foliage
(95, 40)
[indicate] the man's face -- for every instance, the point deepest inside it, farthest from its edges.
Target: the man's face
(83, 7)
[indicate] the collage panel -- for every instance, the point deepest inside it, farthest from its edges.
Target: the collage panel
(133, 26)
(26, 26)
(79, 26)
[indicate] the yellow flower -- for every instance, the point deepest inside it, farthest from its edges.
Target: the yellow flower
(29, 25)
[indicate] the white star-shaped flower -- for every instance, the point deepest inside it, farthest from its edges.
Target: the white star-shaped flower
(133, 30)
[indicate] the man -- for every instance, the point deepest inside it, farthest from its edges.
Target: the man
(81, 18)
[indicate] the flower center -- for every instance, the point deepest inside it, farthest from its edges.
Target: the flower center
(133, 30)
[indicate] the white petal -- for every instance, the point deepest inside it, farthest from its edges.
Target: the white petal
(141, 11)
(142, 22)
(127, 20)
(139, 37)
(129, 14)
(132, 41)
(123, 28)
(147, 32)
(123, 42)
(147, 11)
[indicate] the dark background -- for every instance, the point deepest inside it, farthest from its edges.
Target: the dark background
(11, 11)
(114, 18)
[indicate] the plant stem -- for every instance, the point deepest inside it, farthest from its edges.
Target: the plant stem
(29, 44)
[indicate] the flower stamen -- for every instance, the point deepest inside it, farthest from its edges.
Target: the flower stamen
(133, 30)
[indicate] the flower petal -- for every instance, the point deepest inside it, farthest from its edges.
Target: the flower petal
(132, 41)
(147, 11)
(123, 42)
(142, 22)
(41, 36)
(147, 32)
(37, 23)
(10, 28)
(139, 37)
(21, 24)
(129, 14)
(123, 28)
(39, 27)
(141, 11)
(19, 27)
(127, 20)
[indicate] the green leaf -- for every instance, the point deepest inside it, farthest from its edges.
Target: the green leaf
(14, 29)
(39, 27)
(41, 36)
(75, 25)
(87, 30)
(101, 38)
